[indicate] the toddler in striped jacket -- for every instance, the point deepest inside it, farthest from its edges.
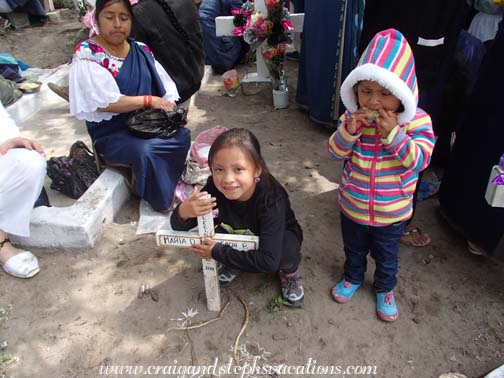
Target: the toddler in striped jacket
(385, 140)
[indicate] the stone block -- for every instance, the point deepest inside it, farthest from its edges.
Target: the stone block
(79, 225)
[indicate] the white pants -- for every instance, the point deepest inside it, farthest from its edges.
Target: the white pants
(21, 180)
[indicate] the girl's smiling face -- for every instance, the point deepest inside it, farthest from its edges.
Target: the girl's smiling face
(373, 96)
(234, 174)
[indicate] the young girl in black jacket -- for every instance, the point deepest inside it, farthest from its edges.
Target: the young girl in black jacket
(250, 201)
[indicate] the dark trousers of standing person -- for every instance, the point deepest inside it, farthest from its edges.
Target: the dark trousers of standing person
(477, 148)
(431, 100)
(383, 244)
(298, 6)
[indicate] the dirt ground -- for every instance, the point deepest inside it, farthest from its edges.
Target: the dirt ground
(82, 313)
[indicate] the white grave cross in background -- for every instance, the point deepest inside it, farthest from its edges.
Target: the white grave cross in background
(206, 228)
(224, 26)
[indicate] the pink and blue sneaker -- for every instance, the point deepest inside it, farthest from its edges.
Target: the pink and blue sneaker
(344, 291)
(386, 307)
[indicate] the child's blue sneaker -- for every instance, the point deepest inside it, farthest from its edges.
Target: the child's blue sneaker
(344, 291)
(386, 307)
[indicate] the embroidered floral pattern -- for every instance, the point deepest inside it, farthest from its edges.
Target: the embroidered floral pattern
(90, 50)
(145, 47)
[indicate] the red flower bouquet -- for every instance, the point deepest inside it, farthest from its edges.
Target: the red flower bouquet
(270, 33)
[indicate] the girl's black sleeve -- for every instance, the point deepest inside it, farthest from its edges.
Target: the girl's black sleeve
(178, 224)
(271, 236)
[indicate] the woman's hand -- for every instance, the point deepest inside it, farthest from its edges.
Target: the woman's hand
(127, 104)
(356, 121)
(161, 103)
(386, 122)
(204, 250)
(20, 142)
(195, 205)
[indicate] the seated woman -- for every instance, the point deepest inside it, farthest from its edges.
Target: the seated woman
(33, 8)
(222, 53)
(112, 76)
(22, 171)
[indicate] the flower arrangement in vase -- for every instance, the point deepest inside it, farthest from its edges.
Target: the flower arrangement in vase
(269, 33)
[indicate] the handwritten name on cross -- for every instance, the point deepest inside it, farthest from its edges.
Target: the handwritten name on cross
(206, 228)
(224, 26)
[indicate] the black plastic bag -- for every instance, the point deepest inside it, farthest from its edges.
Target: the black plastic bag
(73, 174)
(157, 123)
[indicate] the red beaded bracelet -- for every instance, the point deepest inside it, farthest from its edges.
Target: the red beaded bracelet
(147, 101)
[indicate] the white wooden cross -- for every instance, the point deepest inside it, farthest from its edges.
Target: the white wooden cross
(206, 228)
(224, 26)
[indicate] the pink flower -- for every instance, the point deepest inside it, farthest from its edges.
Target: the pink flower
(258, 22)
(287, 25)
(147, 49)
(267, 54)
(238, 31)
(89, 21)
(256, 17)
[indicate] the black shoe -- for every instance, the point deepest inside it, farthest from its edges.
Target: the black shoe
(294, 56)
(38, 20)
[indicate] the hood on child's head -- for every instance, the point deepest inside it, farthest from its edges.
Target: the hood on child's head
(389, 61)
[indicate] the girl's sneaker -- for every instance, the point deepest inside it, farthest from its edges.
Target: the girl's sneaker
(344, 291)
(292, 288)
(226, 275)
(386, 307)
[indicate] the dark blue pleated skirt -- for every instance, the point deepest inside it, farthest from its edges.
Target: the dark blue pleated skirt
(157, 164)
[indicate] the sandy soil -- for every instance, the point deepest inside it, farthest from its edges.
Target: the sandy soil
(82, 313)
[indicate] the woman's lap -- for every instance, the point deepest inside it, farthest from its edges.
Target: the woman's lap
(123, 148)
(157, 164)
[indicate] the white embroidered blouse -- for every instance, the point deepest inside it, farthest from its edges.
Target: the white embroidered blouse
(92, 84)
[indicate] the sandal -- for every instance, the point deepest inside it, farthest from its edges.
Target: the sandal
(475, 249)
(22, 265)
(415, 238)
(60, 91)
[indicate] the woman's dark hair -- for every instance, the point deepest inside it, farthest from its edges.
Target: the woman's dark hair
(246, 142)
(100, 4)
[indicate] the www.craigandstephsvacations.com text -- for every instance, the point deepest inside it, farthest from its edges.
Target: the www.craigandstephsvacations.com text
(246, 370)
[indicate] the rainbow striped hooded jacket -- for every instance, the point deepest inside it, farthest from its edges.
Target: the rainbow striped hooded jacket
(380, 175)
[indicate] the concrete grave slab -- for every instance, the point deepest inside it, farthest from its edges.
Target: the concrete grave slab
(43, 116)
(79, 225)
